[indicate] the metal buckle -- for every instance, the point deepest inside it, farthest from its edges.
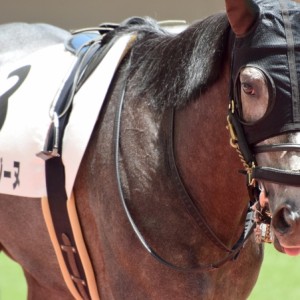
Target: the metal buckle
(47, 154)
(262, 218)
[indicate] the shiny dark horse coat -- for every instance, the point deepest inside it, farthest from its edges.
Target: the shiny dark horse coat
(175, 91)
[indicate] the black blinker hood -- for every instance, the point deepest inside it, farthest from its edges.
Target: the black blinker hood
(273, 45)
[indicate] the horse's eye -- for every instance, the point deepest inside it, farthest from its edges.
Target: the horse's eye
(247, 88)
(253, 94)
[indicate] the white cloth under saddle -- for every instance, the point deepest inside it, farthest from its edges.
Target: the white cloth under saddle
(27, 121)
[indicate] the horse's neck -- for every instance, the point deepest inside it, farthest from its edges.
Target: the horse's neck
(203, 156)
(209, 166)
(206, 163)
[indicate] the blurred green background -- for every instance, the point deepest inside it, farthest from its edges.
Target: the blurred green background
(12, 281)
(279, 278)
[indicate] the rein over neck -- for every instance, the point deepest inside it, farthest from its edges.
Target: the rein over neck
(184, 195)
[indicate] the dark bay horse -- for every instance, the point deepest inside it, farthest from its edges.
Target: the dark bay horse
(160, 145)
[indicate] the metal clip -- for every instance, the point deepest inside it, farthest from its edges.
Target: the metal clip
(249, 168)
(262, 218)
(233, 137)
(54, 127)
(263, 233)
(232, 106)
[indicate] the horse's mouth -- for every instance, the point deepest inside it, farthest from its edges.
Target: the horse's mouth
(289, 250)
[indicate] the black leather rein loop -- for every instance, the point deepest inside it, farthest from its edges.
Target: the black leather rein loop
(184, 194)
(249, 226)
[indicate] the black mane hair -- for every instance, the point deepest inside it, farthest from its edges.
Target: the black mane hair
(171, 70)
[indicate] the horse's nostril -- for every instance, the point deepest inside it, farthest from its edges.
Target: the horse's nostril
(283, 219)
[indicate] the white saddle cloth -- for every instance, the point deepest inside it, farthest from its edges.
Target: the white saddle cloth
(24, 131)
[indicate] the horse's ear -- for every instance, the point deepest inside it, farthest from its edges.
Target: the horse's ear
(241, 15)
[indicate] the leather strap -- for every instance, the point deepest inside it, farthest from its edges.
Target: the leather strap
(286, 177)
(249, 224)
(58, 212)
(184, 195)
(55, 180)
(59, 208)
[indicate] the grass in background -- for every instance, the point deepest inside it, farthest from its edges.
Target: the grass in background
(12, 281)
(279, 278)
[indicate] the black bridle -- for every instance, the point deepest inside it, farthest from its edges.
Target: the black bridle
(261, 46)
(255, 173)
(183, 193)
(247, 155)
(287, 177)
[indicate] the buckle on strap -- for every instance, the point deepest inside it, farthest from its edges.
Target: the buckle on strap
(52, 139)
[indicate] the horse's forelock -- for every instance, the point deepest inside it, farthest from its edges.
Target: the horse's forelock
(171, 70)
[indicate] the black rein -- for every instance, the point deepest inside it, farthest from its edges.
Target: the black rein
(192, 209)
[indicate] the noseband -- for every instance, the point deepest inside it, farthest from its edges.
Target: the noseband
(247, 156)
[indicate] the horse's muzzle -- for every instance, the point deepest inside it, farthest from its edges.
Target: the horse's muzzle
(286, 226)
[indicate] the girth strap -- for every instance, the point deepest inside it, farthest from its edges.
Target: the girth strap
(73, 257)
(59, 208)
(60, 213)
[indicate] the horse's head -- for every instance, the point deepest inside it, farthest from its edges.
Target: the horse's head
(265, 110)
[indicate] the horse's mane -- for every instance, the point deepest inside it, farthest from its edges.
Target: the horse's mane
(171, 70)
